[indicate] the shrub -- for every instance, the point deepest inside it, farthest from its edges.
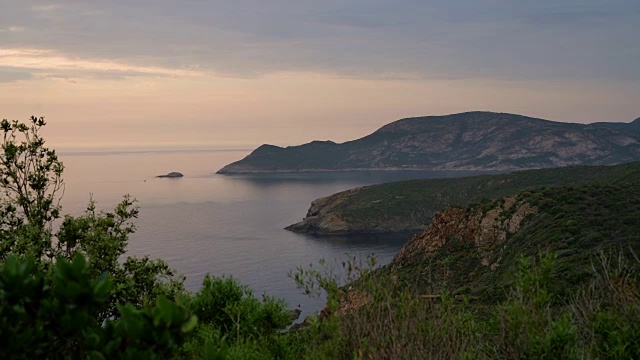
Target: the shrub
(54, 314)
(30, 188)
(231, 307)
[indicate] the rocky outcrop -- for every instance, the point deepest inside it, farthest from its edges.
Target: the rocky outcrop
(484, 229)
(478, 253)
(321, 219)
(467, 141)
(480, 232)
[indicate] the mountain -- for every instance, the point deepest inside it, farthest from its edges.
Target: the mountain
(469, 141)
(410, 205)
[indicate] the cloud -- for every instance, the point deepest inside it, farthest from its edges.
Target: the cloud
(46, 8)
(50, 64)
(10, 75)
(372, 39)
(13, 29)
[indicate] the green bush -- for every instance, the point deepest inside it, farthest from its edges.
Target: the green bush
(31, 184)
(616, 336)
(232, 308)
(54, 314)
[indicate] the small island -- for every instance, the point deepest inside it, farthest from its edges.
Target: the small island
(173, 174)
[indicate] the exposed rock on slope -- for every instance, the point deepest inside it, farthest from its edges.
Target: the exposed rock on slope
(468, 251)
(484, 230)
(321, 219)
(470, 141)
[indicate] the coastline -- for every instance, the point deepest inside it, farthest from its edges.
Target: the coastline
(384, 169)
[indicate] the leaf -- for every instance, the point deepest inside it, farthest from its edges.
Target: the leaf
(190, 324)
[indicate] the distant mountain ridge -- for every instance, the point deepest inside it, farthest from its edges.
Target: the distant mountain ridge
(465, 141)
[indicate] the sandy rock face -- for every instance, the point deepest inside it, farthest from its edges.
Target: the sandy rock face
(484, 229)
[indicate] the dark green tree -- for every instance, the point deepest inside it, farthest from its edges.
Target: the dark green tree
(31, 186)
(52, 314)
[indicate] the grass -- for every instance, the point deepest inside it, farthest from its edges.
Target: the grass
(599, 320)
(567, 287)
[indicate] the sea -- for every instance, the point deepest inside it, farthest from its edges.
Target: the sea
(226, 225)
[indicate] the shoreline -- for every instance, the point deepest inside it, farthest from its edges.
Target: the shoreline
(387, 169)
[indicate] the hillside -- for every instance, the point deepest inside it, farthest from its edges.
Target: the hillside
(466, 141)
(475, 250)
(410, 205)
(546, 273)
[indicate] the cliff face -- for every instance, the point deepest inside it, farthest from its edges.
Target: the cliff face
(322, 218)
(469, 251)
(472, 236)
(467, 141)
(482, 230)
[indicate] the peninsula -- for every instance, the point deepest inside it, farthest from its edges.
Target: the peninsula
(466, 141)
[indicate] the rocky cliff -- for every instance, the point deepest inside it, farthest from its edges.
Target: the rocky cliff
(430, 260)
(484, 230)
(469, 141)
(469, 250)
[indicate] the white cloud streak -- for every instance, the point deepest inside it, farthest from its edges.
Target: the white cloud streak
(47, 60)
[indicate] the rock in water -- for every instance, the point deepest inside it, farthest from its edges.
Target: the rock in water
(173, 174)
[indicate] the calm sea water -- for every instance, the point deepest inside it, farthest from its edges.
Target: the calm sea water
(224, 225)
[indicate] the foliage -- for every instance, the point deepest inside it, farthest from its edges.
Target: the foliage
(54, 314)
(30, 189)
(233, 309)
(30, 181)
(599, 321)
(102, 238)
(234, 323)
(410, 205)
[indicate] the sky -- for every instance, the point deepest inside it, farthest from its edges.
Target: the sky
(129, 74)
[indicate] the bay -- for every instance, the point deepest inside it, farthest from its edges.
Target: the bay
(225, 225)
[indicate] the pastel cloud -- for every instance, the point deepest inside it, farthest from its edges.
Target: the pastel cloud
(45, 61)
(363, 38)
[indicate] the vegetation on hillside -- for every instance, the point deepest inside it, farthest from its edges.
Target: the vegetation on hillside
(567, 286)
(371, 320)
(563, 284)
(575, 222)
(410, 205)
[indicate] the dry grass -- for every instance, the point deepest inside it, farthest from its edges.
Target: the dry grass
(601, 320)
